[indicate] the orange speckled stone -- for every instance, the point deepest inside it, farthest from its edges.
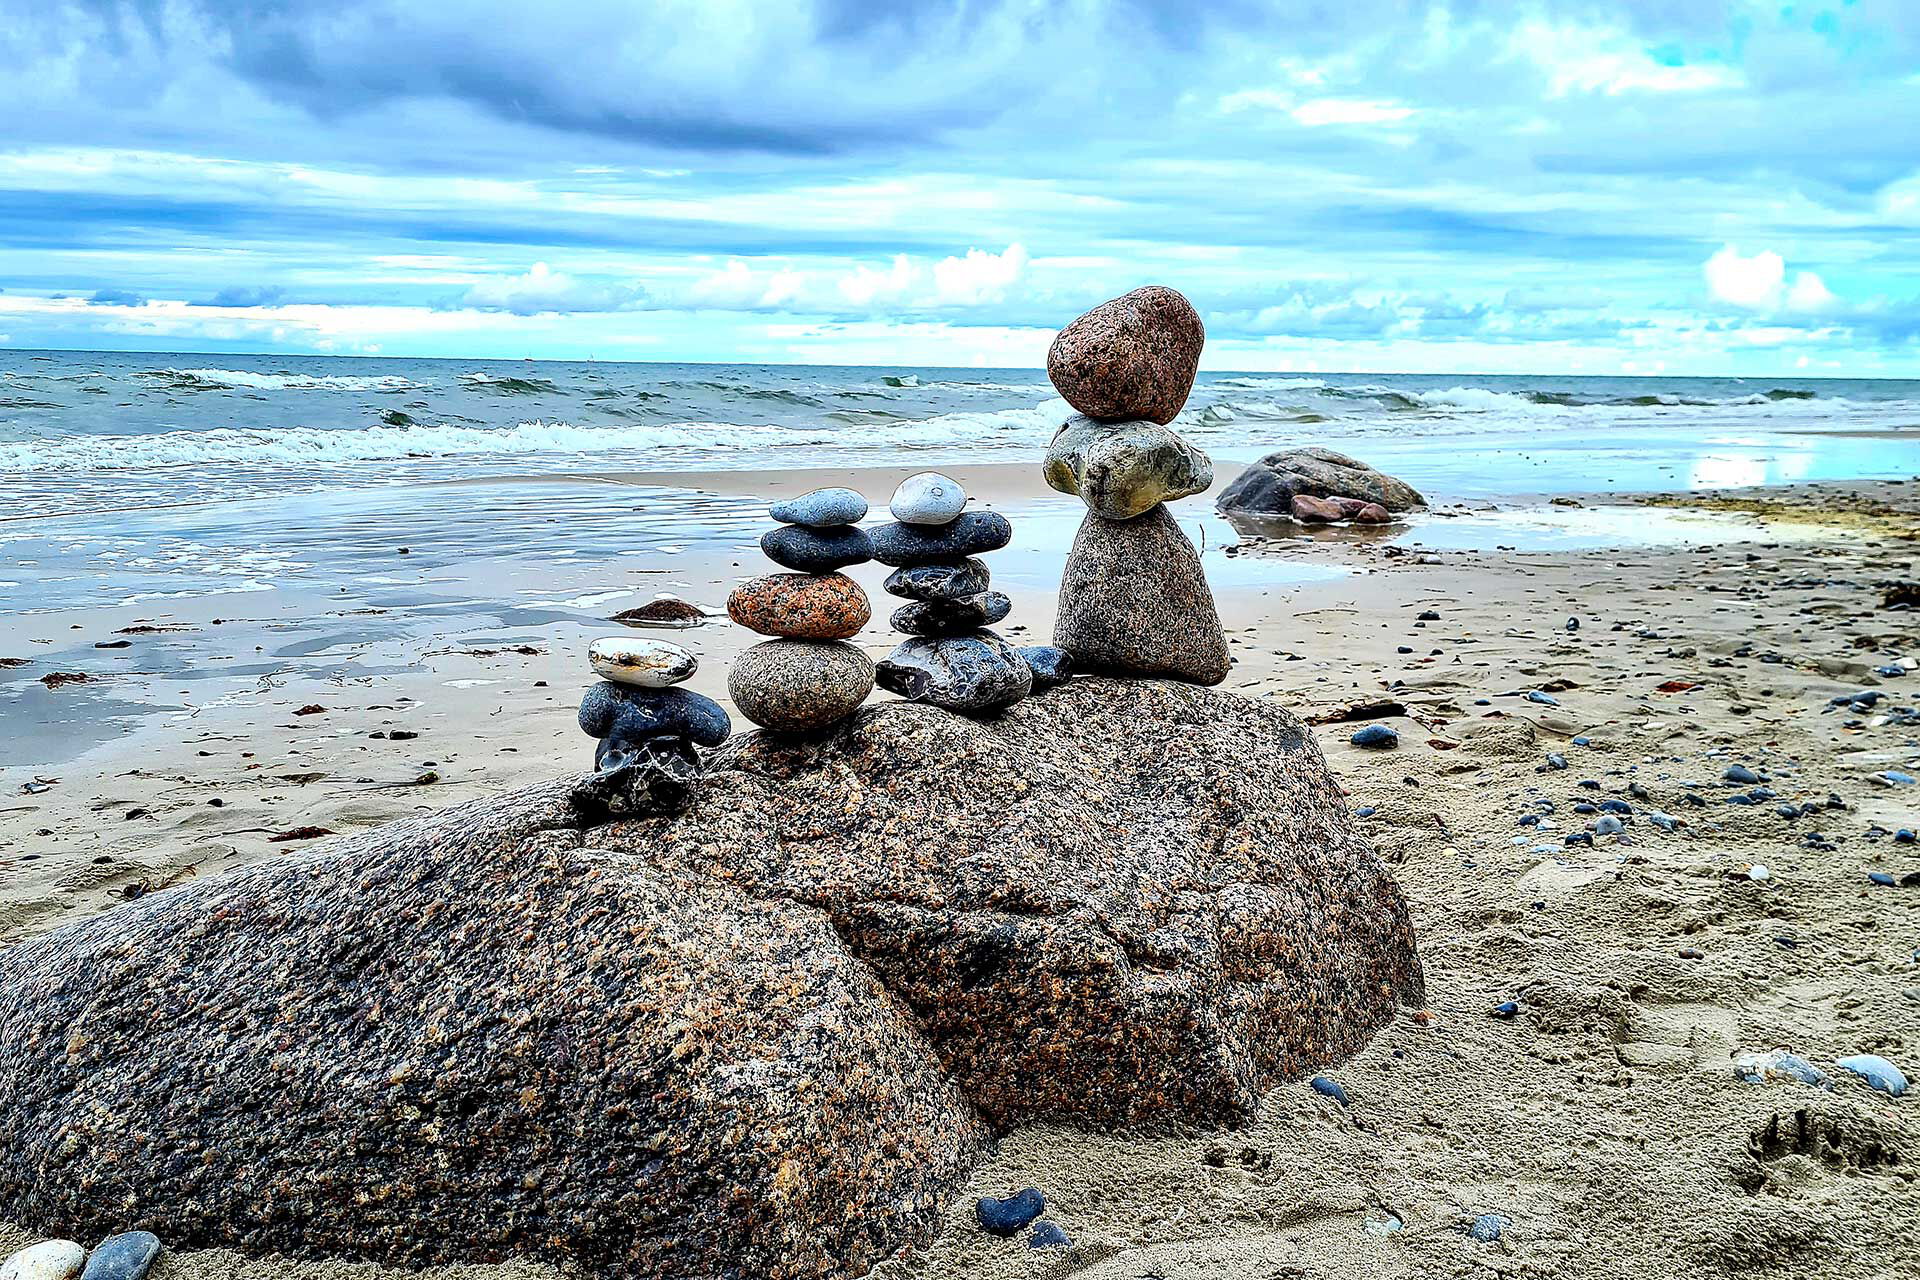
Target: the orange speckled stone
(801, 606)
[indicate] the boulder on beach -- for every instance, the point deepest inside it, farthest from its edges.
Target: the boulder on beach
(1269, 486)
(768, 1035)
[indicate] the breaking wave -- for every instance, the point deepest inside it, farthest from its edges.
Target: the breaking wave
(230, 379)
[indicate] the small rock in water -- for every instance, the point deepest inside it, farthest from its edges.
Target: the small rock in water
(48, 1260)
(1372, 513)
(1308, 509)
(127, 1256)
(643, 663)
(666, 611)
(794, 546)
(801, 606)
(798, 685)
(973, 533)
(950, 617)
(973, 673)
(1377, 736)
(1050, 666)
(1487, 1227)
(1741, 774)
(928, 498)
(1332, 1089)
(651, 713)
(1006, 1216)
(1048, 1235)
(1876, 1071)
(1131, 357)
(967, 577)
(1777, 1064)
(821, 509)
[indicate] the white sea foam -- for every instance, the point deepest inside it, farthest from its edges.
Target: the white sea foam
(285, 381)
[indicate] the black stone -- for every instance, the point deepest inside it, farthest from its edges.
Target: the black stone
(951, 617)
(1048, 1235)
(645, 776)
(947, 581)
(971, 673)
(974, 533)
(635, 713)
(127, 1256)
(1051, 666)
(807, 550)
(1006, 1216)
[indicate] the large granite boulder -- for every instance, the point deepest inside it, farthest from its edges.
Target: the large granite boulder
(1269, 486)
(765, 1036)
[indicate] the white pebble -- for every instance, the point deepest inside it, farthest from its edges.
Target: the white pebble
(1758, 872)
(928, 498)
(48, 1260)
(651, 664)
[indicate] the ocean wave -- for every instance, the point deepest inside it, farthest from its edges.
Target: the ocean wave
(1272, 384)
(508, 385)
(313, 446)
(230, 379)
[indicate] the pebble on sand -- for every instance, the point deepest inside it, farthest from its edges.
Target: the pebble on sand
(127, 1256)
(1332, 1089)
(1048, 1235)
(1487, 1227)
(1876, 1071)
(1376, 736)
(1007, 1215)
(48, 1260)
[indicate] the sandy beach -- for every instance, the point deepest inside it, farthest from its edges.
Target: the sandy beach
(1604, 1122)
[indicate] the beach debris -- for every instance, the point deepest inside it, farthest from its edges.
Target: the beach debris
(54, 679)
(952, 660)
(1131, 358)
(127, 1256)
(1009, 1215)
(665, 610)
(821, 509)
(295, 833)
(48, 1260)
(1377, 737)
(1891, 778)
(808, 677)
(1777, 1064)
(1048, 1235)
(1268, 487)
(1876, 1071)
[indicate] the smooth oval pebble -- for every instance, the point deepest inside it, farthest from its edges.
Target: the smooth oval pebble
(1331, 1088)
(1876, 1071)
(797, 685)
(48, 1260)
(801, 606)
(1487, 1227)
(796, 547)
(1006, 1215)
(1051, 666)
(641, 662)
(127, 1256)
(928, 498)
(821, 508)
(972, 534)
(1377, 736)
(637, 713)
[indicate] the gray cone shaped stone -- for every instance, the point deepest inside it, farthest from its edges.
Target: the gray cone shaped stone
(1134, 601)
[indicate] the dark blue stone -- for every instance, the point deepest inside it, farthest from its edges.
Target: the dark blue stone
(1573, 624)
(127, 1256)
(1903, 836)
(1006, 1217)
(951, 617)
(1051, 666)
(638, 713)
(807, 550)
(1376, 736)
(1487, 1227)
(1529, 819)
(1582, 742)
(1616, 806)
(1365, 811)
(1741, 774)
(1332, 1089)
(939, 581)
(1048, 1235)
(1544, 699)
(822, 509)
(974, 533)
(1580, 837)
(1584, 807)
(1880, 877)
(1506, 1009)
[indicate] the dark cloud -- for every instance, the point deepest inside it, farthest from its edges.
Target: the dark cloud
(115, 298)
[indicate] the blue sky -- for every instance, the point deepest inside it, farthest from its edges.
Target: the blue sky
(1670, 186)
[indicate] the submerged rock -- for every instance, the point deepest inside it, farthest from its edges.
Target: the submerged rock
(1134, 601)
(1132, 357)
(1269, 486)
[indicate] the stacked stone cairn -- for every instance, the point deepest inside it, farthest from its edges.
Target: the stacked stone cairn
(1134, 600)
(808, 677)
(953, 660)
(648, 727)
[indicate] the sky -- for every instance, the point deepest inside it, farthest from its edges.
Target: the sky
(1657, 186)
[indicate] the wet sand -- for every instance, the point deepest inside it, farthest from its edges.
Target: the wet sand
(1603, 1122)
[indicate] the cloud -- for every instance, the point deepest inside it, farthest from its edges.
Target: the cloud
(245, 295)
(1326, 111)
(116, 298)
(1758, 283)
(541, 290)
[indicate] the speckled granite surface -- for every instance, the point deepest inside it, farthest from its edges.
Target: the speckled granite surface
(762, 1038)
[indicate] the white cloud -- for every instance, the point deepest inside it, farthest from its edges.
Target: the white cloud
(1325, 111)
(542, 289)
(978, 277)
(1580, 59)
(863, 286)
(1759, 282)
